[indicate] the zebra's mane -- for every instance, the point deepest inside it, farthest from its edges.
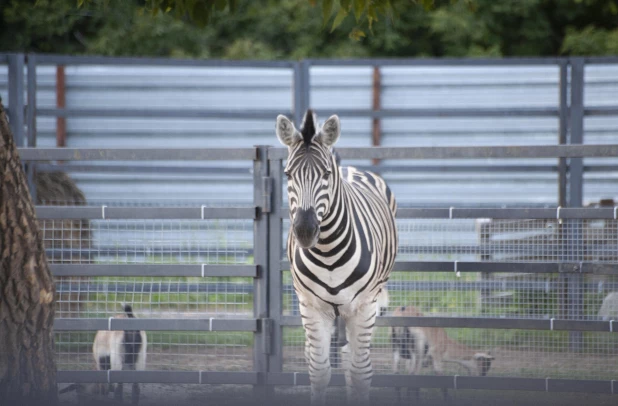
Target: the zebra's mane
(337, 157)
(308, 127)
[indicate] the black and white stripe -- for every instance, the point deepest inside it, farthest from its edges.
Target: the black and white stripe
(341, 246)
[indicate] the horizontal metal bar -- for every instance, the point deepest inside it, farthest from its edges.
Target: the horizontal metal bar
(524, 250)
(442, 112)
(600, 168)
(412, 62)
(597, 268)
(220, 378)
(601, 111)
(468, 152)
(508, 213)
(162, 113)
(523, 213)
(83, 376)
(384, 169)
(150, 213)
(137, 154)
(210, 324)
(106, 251)
(80, 324)
(49, 59)
(302, 379)
(144, 288)
(508, 267)
(154, 377)
(150, 169)
(478, 322)
(154, 270)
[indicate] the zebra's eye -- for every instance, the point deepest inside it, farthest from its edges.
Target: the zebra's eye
(326, 174)
(288, 175)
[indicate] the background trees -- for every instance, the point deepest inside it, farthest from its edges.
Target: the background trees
(294, 29)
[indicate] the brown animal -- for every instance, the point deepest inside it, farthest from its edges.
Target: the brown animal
(64, 237)
(423, 346)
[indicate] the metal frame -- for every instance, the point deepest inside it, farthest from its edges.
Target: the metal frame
(558, 213)
(519, 151)
(268, 213)
(302, 379)
(115, 213)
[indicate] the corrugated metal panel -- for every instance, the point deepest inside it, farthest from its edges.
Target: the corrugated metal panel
(332, 88)
(601, 90)
(106, 87)
(601, 85)
(438, 87)
(4, 84)
(470, 86)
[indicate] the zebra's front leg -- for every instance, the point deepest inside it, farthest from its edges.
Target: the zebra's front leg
(318, 329)
(359, 371)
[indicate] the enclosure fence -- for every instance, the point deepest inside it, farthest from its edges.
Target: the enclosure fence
(524, 282)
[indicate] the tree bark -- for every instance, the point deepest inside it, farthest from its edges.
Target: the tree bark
(27, 357)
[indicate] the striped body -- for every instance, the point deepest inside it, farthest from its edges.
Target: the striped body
(356, 248)
(341, 246)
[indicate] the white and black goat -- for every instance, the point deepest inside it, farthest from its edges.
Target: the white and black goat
(117, 351)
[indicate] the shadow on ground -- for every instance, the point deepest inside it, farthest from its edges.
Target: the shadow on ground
(236, 395)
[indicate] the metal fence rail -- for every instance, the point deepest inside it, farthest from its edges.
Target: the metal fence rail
(212, 281)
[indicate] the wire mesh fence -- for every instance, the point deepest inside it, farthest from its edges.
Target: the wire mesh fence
(163, 242)
(516, 353)
(490, 294)
(167, 351)
(149, 241)
(520, 295)
(526, 240)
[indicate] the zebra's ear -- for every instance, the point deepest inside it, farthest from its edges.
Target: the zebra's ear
(331, 129)
(286, 132)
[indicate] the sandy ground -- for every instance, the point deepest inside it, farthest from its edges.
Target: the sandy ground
(232, 395)
(508, 363)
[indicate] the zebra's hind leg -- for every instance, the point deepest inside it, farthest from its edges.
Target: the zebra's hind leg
(318, 329)
(359, 328)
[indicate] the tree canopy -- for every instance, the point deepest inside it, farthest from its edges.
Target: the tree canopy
(294, 29)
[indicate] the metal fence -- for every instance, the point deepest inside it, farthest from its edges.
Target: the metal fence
(211, 285)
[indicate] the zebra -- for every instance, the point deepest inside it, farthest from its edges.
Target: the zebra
(341, 247)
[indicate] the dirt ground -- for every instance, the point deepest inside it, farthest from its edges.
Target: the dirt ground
(232, 395)
(535, 364)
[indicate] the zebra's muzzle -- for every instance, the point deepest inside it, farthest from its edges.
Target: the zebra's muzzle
(306, 228)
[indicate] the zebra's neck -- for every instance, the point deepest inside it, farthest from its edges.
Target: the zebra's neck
(337, 221)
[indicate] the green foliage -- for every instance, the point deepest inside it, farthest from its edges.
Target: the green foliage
(590, 41)
(294, 29)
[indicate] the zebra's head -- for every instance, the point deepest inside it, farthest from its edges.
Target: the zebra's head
(311, 171)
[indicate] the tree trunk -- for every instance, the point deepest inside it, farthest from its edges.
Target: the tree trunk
(27, 358)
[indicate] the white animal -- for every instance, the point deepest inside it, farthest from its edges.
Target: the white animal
(609, 308)
(117, 351)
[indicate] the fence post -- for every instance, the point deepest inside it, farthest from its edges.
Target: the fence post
(275, 299)
(16, 97)
(301, 101)
(261, 342)
(575, 199)
(563, 126)
(298, 92)
(302, 86)
(31, 121)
